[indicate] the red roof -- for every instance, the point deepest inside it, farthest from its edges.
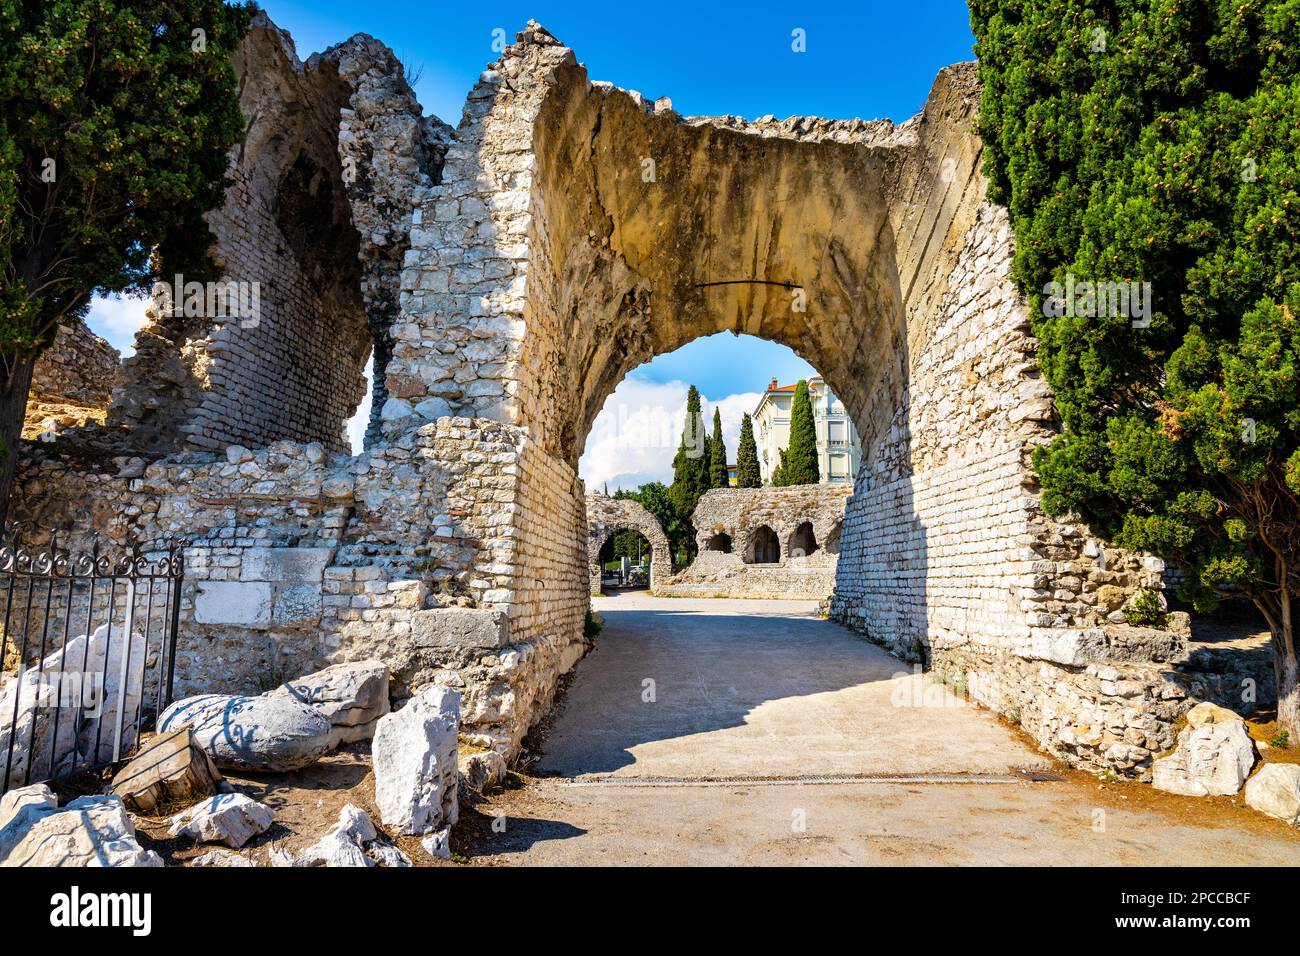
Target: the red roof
(789, 388)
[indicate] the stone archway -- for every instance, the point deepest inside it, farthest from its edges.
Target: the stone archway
(519, 267)
(762, 546)
(582, 230)
(606, 515)
(803, 541)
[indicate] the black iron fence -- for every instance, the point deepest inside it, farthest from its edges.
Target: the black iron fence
(87, 654)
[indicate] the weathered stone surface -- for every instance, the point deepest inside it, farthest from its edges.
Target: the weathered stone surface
(506, 276)
(414, 754)
(1275, 790)
(229, 818)
(459, 627)
(285, 564)
(482, 770)
(89, 831)
(1214, 758)
(170, 768)
(438, 844)
(221, 858)
(1206, 713)
(252, 733)
(64, 710)
(351, 696)
(245, 603)
(351, 842)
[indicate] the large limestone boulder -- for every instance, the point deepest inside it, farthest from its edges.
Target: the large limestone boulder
(351, 696)
(1275, 790)
(252, 733)
(89, 831)
(1206, 713)
(414, 754)
(63, 711)
(229, 818)
(1213, 757)
(170, 768)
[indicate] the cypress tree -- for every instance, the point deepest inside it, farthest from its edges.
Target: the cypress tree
(748, 474)
(717, 454)
(778, 473)
(690, 464)
(800, 463)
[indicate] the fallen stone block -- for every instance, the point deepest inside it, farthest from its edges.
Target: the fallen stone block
(482, 770)
(90, 831)
(170, 768)
(414, 757)
(1213, 758)
(351, 696)
(229, 818)
(1275, 790)
(252, 733)
(438, 844)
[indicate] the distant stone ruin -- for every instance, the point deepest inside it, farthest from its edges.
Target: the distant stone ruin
(504, 277)
(765, 543)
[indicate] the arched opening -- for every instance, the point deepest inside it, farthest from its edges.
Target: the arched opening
(832, 543)
(720, 542)
(764, 547)
(625, 561)
(803, 541)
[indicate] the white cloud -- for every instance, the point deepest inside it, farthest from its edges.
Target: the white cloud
(635, 436)
(117, 318)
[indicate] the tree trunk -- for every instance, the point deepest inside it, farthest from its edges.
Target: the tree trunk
(13, 408)
(1287, 671)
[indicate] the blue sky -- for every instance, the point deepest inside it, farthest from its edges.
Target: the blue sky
(868, 60)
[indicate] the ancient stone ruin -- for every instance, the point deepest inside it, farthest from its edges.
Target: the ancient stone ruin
(607, 515)
(505, 276)
(765, 543)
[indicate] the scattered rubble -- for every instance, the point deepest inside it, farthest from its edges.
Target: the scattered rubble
(230, 818)
(352, 842)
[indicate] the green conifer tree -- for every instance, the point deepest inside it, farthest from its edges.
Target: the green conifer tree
(717, 454)
(799, 466)
(748, 474)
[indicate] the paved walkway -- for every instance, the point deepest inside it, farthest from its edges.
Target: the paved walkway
(703, 688)
(773, 737)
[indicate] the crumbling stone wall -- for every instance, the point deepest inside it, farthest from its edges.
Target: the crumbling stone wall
(738, 513)
(606, 515)
(72, 382)
(318, 221)
(566, 232)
